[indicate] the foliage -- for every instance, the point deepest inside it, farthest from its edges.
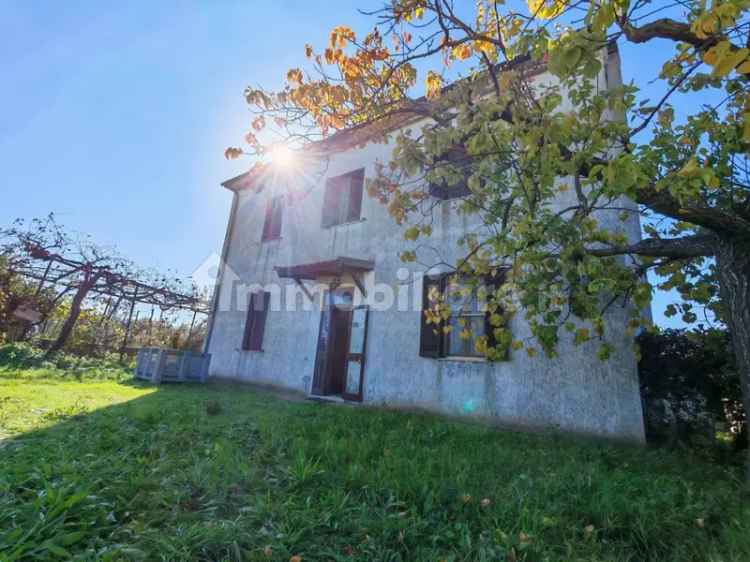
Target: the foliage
(693, 373)
(122, 471)
(520, 143)
(14, 356)
(97, 333)
(558, 170)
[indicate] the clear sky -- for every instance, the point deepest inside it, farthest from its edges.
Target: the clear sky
(115, 115)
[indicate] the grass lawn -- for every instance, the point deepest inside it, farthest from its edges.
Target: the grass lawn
(114, 470)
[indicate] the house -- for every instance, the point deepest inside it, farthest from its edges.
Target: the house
(312, 297)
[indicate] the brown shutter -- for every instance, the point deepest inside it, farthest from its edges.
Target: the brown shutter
(330, 202)
(356, 182)
(248, 323)
(431, 335)
(268, 220)
(259, 322)
(272, 222)
(278, 208)
(256, 321)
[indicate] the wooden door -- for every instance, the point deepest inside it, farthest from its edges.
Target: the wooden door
(330, 374)
(355, 357)
(336, 380)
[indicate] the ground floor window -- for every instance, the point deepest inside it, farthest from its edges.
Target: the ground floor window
(458, 319)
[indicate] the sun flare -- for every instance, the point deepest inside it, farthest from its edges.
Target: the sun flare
(281, 155)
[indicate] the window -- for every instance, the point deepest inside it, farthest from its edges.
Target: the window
(272, 224)
(252, 339)
(453, 161)
(469, 318)
(343, 198)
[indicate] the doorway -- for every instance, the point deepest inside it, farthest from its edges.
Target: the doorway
(339, 361)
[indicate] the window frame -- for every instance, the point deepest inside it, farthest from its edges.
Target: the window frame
(273, 218)
(473, 313)
(342, 199)
(434, 342)
(456, 156)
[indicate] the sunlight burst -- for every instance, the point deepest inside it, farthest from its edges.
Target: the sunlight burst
(281, 155)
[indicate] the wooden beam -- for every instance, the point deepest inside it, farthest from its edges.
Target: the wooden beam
(304, 288)
(127, 325)
(359, 283)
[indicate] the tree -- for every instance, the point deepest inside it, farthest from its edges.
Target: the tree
(518, 147)
(43, 251)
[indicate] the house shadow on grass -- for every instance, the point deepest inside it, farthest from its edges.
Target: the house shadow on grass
(222, 471)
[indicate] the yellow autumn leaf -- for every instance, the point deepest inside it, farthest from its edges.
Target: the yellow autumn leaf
(712, 55)
(294, 76)
(729, 61)
(433, 85)
(547, 9)
(231, 153)
(259, 123)
(689, 169)
(339, 36)
(486, 47)
(461, 52)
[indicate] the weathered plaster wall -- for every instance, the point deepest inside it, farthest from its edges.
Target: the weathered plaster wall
(574, 392)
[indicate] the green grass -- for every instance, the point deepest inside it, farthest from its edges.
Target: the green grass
(105, 469)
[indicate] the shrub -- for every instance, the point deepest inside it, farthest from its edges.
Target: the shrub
(16, 356)
(20, 355)
(689, 384)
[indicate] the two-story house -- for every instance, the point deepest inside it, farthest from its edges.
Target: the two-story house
(302, 242)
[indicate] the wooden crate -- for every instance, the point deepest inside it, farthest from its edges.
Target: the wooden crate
(170, 365)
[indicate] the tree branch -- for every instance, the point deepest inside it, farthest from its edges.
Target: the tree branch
(699, 245)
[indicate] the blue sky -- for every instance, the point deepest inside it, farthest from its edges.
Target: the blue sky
(115, 115)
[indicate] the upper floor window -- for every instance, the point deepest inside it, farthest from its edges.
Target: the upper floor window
(457, 159)
(272, 223)
(343, 198)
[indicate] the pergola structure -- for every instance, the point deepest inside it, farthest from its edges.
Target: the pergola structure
(48, 256)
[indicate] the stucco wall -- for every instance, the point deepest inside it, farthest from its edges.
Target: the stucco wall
(574, 391)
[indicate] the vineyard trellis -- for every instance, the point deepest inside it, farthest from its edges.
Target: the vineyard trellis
(43, 253)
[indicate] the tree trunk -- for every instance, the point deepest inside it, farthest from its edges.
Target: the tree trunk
(733, 261)
(70, 321)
